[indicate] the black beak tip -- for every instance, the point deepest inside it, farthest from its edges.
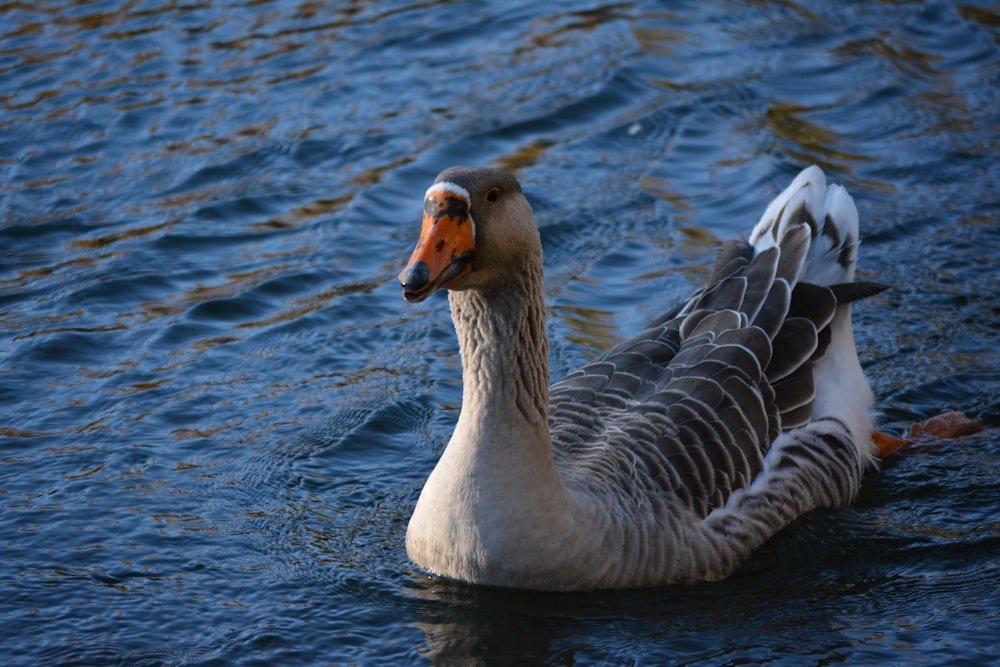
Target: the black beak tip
(415, 276)
(413, 279)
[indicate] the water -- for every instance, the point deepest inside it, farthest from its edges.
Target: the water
(217, 412)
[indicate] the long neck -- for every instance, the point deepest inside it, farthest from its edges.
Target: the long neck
(495, 509)
(504, 359)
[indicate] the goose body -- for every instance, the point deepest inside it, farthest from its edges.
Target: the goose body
(672, 456)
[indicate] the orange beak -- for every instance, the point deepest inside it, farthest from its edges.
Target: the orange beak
(446, 247)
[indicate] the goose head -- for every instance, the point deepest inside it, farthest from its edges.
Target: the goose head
(478, 232)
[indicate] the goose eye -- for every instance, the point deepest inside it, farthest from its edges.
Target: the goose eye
(493, 195)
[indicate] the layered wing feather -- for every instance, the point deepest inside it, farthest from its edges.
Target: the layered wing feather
(696, 405)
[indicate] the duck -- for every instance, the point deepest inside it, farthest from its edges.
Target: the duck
(672, 456)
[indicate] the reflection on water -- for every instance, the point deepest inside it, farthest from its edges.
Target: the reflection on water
(808, 140)
(216, 412)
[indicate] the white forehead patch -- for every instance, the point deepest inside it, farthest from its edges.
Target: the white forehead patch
(455, 189)
(445, 186)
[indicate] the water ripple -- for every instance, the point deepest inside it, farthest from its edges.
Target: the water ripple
(216, 412)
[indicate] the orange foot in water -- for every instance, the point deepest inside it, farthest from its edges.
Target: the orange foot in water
(943, 426)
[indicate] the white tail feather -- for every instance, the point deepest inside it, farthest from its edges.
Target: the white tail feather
(833, 221)
(842, 390)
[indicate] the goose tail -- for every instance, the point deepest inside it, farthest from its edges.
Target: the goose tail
(815, 226)
(829, 216)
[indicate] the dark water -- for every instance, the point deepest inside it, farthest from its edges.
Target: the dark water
(217, 412)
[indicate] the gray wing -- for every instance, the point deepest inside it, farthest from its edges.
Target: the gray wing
(691, 405)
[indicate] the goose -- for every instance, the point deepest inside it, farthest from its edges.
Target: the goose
(672, 456)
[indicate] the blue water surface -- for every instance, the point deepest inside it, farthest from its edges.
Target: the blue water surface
(216, 411)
